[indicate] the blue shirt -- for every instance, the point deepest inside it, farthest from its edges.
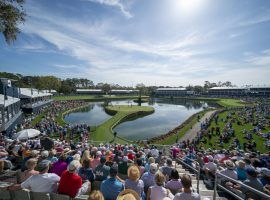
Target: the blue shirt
(110, 188)
(241, 174)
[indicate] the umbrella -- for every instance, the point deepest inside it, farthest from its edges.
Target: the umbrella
(26, 133)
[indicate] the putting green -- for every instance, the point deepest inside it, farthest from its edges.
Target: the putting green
(121, 113)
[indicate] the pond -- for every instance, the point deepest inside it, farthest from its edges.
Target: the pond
(168, 114)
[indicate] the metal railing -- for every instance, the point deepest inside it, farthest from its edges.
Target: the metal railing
(196, 170)
(218, 185)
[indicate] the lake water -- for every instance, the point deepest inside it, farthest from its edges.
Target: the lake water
(168, 114)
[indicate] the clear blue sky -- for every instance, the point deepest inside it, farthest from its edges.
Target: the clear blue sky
(156, 42)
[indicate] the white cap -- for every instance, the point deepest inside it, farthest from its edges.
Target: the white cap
(99, 153)
(44, 154)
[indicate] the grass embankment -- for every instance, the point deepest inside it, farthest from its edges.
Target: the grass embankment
(94, 97)
(191, 121)
(120, 113)
(214, 141)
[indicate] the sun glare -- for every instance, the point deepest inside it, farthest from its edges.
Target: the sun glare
(187, 7)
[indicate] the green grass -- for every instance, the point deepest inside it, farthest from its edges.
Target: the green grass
(121, 113)
(93, 97)
(231, 103)
(213, 142)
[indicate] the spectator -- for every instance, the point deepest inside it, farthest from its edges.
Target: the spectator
(71, 183)
(252, 181)
(241, 172)
(42, 182)
(128, 194)
(148, 178)
(166, 170)
(186, 193)
(85, 172)
(102, 171)
(147, 165)
(52, 158)
(265, 179)
(158, 192)
(95, 162)
(133, 182)
(111, 187)
(30, 165)
(60, 166)
(123, 165)
(230, 170)
(96, 195)
(175, 183)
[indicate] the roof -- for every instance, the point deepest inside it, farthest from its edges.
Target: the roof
(170, 89)
(88, 90)
(9, 101)
(32, 93)
(124, 90)
(264, 86)
(49, 91)
(228, 88)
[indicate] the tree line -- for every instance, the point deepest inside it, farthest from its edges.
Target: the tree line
(69, 85)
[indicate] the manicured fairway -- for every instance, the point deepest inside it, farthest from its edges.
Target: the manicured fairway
(104, 131)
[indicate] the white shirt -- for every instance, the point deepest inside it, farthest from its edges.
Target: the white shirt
(211, 166)
(159, 193)
(42, 183)
(187, 196)
(229, 173)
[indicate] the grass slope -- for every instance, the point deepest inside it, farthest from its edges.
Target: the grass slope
(104, 131)
(212, 143)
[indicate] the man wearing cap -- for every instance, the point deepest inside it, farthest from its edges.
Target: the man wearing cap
(111, 187)
(71, 183)
(42, 182)
(102, 171)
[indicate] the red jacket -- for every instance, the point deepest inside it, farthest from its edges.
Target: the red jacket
(70, 183)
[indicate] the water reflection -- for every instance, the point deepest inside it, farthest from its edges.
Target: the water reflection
(168, 114)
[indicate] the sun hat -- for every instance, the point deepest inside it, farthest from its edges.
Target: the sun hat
(128, 194)
(74, 165)
(229, 164)
(43, 165)
(133, 173)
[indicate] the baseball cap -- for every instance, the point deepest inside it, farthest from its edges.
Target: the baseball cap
(43, 165)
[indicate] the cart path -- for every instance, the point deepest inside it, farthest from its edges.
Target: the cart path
(192, 133)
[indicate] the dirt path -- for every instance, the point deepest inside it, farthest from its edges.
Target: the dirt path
(192, 133)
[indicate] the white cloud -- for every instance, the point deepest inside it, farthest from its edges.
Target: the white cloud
(116, 3)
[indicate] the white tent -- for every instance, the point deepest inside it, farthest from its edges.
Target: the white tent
(26, 134)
